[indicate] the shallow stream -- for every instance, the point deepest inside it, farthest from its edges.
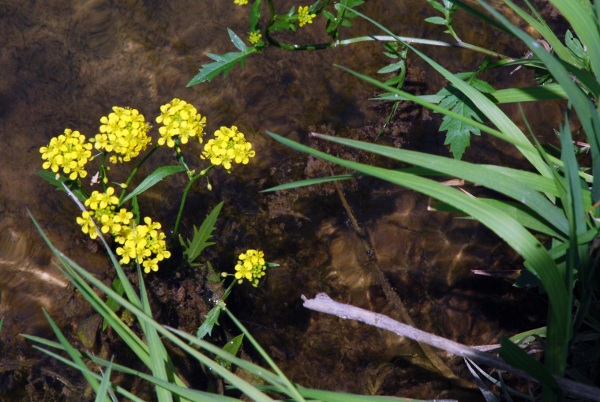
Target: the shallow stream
(66, 63)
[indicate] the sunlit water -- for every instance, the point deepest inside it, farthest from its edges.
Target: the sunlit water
(66, 63)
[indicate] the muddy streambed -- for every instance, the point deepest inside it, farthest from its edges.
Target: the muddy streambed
(66, 63)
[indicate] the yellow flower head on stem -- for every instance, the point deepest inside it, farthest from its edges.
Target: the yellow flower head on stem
(251, 265)
(304, 17)
(145, 244)
(240, 2)
(229, 145)
(180, 120)
(254, 37)
(69, 152)
(124, 132)
(102, 206)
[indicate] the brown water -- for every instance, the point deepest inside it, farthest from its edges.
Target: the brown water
(65, 63)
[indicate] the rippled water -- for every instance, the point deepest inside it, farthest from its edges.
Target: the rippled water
(66, 63)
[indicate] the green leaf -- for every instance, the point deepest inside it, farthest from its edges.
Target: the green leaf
(509, 95)
(103, 392)
(239, 43)
(222, 64)
(436, 20)
(516, 357)
(152, 179)
(50, 177)
(201, 236)
(458, 134)
(255, 15)
(232, 347)
(117, 285)
(391, 68)
(537, 258)
(212, 319)
(310, 182)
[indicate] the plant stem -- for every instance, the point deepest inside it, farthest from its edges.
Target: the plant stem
(134, 171)
(184, 197)
(388, 38)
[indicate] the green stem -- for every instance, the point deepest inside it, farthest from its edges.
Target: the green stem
(134, 171)
(383, 38)
(388, 38)
(184, 197)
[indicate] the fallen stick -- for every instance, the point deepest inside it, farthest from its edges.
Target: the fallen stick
(325, 304)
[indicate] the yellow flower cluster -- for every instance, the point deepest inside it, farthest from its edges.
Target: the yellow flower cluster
(180, 120)
(251, 266)
(144, 243)
(102, 208)
(124, 132)
(304, 17)
(240, 2)
(229, 145)
(254, 37)
(69, 152)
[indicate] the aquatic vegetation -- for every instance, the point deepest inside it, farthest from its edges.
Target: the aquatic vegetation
(551, 219)
(124, 134)
(549, 214)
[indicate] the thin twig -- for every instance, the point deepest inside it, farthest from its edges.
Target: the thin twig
(390, 294)
(325, 304)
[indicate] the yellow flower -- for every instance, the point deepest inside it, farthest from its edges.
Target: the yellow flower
(87, 224)
(251, 266)
(240, 2)
(69, 152)
(100, 200)
(229, 145)
(254, 37)
(102, 209)
(304, 17)
(124, 132)
(145, 244)
(180, 120)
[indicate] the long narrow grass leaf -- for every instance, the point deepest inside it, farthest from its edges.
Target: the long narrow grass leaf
(480, 174)
(537, 257)
(103, 391)
(505, 125)
(71, 351)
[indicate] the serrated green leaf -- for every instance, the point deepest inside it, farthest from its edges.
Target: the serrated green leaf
(152, 179)
(481, 85)
(237, 42)
(458, 133)
(222, 65)
(212, 319)
(201, 236)
(575, 46)
(436, 20)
